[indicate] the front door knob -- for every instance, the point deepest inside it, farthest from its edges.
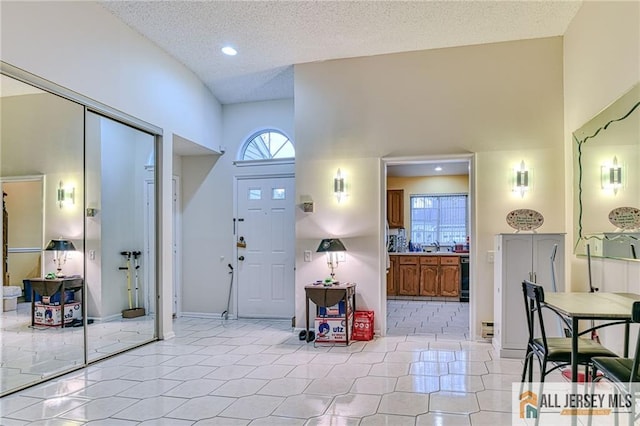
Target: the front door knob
(241, 258)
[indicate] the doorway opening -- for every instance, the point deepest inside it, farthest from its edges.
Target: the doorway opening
(414, 304)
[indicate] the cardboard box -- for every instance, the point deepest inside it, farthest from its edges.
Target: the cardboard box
(337, 310)
(51, 315)
(332, 330)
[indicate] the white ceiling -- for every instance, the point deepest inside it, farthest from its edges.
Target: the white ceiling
(271, 36)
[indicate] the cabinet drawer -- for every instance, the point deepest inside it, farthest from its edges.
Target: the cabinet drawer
(449, 260)
(428, 260)
(408, 260)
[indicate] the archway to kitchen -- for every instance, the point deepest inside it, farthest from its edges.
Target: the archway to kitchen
(414, 305)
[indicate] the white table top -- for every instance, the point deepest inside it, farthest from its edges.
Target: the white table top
(592, 305)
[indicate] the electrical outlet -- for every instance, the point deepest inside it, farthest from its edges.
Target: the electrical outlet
(307, 255)
(92, 255)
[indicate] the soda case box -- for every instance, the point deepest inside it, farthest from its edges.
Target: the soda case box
(330, 329)
(51, 315)
(337, 310)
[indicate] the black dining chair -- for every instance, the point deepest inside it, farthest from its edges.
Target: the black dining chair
(552, 353)
(622, 372)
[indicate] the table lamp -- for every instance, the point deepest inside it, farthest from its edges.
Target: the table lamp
(331, 246)
(60, 249)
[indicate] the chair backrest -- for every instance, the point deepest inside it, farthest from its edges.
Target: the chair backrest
(635, 317)
(533, 301)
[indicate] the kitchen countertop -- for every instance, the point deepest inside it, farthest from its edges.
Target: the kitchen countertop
(424, 253)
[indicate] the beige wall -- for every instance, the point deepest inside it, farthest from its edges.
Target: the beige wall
(501, 101)
(601, 63)
(83, 47)
(422, 185)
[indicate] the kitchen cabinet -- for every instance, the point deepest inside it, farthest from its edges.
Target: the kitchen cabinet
(408, 275)
(449, 272)
(520, 257)
(429, 276)
(424, 276)
(440, 276)
(392, 276)
(395, 208)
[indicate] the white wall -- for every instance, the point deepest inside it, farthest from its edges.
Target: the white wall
(83, 47)
(501, 101)
(207, 204)
(601, 63)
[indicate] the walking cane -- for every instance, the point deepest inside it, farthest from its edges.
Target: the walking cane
(127, 255)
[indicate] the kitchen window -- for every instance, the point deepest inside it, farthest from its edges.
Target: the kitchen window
(440, 219)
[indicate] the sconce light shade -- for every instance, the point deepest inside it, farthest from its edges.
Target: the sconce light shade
(339, 186)
(331, 246)
(59, 258)
(521, 179)
(612, 176)
(65, 194)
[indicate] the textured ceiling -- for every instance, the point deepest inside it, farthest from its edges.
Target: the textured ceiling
(271, 36)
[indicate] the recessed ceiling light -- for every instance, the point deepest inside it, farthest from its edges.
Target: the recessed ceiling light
(228, 50)
(438, 169)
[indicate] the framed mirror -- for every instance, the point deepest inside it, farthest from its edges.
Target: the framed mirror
(607, 181)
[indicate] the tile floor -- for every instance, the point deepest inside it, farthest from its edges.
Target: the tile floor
(253, 372)
(29, 353)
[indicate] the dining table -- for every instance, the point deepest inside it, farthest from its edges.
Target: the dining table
(607, 309)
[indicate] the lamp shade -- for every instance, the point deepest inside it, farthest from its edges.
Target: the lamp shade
(60, 245)
(331, 244)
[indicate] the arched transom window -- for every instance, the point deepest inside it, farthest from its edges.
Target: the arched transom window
(267, 145)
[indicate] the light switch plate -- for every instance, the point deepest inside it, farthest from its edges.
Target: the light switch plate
(307, 255)
(490, 256)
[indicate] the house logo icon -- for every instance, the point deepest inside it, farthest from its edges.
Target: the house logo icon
(528, 405)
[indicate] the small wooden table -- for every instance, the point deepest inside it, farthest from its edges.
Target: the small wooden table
(49, 287)
(325, 296)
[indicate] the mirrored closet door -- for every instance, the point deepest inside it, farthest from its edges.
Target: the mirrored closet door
(78, 233)
(41, 152)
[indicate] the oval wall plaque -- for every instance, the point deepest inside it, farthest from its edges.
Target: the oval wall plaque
(525, 219)
(625, 217)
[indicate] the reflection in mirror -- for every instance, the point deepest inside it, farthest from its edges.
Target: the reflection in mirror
(41, 142)
(607, 181)
(120, 236)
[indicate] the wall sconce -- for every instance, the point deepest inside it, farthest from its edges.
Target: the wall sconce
(339, 186)
(66, 195)
(60, 249)
(521, 179)
(612, 176)
(331, 246)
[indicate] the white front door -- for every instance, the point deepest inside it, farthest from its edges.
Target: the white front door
(265, 247)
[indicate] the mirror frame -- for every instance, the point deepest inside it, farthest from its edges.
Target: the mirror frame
(592, 132)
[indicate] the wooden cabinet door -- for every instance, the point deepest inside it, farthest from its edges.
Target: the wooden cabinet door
(450, 280)
(409, 276)
(395, 208)
(429, 280)
(392, 276)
